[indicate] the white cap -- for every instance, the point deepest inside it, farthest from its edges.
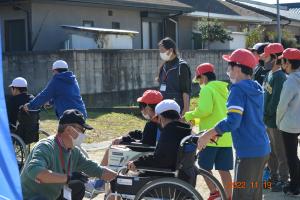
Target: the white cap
(18, 82)
(257, 45)
(60, 64)
(166, 105)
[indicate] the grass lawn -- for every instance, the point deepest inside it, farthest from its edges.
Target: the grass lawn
(106, 125)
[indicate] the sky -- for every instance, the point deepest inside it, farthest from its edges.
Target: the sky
(280, 1)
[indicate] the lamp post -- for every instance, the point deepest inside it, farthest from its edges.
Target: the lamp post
(278, 23)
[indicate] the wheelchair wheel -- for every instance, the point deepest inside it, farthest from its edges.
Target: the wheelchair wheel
(20, 150)
(167, 188)
(205, 191)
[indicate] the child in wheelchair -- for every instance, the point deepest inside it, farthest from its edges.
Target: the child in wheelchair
(20, 96)
(151, 132)
(25, 125)
(167, 160)
(119, 154)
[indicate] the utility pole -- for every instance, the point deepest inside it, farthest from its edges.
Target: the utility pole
(208, 29)
(278, 23)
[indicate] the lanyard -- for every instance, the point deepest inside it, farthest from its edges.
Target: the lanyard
(61, 157)
(167, 72)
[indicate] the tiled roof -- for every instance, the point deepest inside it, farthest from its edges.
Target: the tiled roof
(224, 10)
(267, 9)
(295, 10)
(150, 4)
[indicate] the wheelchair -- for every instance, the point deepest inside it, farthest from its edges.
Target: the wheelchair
(25, 133)
(163, 183)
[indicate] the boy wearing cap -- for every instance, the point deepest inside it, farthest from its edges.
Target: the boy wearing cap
(20, 96)
(173, 131)
(49, 166)
(272, 86)
(210, 110)
(62, 90)
(287, 118)
(259, 71)
(151, 132)
(244, 121)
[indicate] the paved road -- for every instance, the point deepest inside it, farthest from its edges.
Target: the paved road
(96, 151)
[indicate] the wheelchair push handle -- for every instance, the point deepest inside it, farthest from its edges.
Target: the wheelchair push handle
(193, 138)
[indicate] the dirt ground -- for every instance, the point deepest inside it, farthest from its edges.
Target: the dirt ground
(96, 154)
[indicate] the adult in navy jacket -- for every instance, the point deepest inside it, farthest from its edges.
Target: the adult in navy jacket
(62, 91)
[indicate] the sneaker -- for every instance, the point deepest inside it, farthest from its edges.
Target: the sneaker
(278, 186)
(266, 174)
(95, 186)
(214, 196)
(289, 191)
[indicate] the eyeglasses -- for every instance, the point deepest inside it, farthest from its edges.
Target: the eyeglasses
(80, 128)
(142, 105)
(284, 60)
(232, 64)
(198, 77)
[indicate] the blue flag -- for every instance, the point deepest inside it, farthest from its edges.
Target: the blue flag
(10, 187)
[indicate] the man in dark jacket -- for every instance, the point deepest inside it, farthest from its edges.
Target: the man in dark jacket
(273, 85)
(19, 97)
(62, 90)
(165, 155)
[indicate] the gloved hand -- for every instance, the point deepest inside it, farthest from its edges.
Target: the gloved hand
(79, 176)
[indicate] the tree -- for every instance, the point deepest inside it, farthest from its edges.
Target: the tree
(211, 30)
(260, 34)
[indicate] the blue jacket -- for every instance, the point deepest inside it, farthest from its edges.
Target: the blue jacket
(245, 120)
(63, 90)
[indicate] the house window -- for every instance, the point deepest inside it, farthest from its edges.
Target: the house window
(15, 35)
(115, 25)
(88, 23)
(298, 39)
(152, 34)
(110, 13)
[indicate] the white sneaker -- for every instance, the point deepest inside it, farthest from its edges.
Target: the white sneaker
(95, 186)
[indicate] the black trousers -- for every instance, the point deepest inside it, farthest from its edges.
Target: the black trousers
(291, 144)
(78, 190)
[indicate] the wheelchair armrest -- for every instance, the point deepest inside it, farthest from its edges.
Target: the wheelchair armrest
(139, 147)
(154, 169)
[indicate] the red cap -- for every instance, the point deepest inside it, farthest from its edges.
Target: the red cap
(151, 97)
(242, 56)
(272, 48)
(291, 54)
(204, 68)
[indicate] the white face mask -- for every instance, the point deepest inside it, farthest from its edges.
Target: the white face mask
(232, 80)
(146, 116)
(79, 140)
(164, 56)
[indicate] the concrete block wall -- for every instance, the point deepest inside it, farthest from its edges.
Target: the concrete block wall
(106, 77)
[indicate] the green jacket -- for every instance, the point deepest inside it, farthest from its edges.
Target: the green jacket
(211, 109)
(273, 85)
(45, 155)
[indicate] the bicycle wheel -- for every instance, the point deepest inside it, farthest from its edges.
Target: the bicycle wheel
(204, 188)
(167, 188)
(20, 150)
